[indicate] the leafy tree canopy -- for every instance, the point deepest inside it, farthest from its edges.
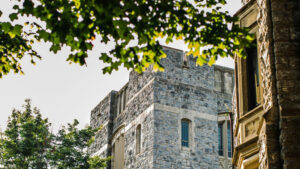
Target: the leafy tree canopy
(25, 142)
(134, 26)
(70, 149)
(28, 143)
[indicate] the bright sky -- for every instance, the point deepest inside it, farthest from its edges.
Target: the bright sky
(64, 91)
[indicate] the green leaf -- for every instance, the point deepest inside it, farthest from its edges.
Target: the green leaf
(55, 48)
(16, 7)
(250, 37)
(17, 30)
(6, 27)
(13, 16)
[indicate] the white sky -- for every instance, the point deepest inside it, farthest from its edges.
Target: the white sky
(64, 91)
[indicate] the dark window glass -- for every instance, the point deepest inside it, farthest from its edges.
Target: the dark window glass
(229, 139)
(253, 78)
(220, 139)
(120, 103)
(113, 153)
(185, 60)
(124, 99)
(138, 139)
(184, 133)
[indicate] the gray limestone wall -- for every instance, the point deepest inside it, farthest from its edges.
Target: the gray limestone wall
(223, 79)
(101, 113)
(139, 98)
(222, 163)
(189, 92)
(138, 112)
(191, 74)
(189, 97)
(145, 158)
(138, 81)
(168, 152)
(101, 117)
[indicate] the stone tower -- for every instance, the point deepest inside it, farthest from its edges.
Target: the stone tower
(173, 119)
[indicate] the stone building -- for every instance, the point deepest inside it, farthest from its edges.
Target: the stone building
(266, 102)
(167, 120)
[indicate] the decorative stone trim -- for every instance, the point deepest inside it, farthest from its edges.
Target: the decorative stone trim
(188, 113)
(99, 152)
(140, 91)
(265, 53)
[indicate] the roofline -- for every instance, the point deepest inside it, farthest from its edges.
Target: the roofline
(244, 7)
(223, 68)
(172, 48)
(109, 94)
(224, 113)
(126, 85)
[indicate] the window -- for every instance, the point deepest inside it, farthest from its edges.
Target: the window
(253, 83)
(124, 98)
(218, 80)
(228, 87)
(121, 101)
(118, 153)
(113, 160)
(118, 145)
(138, 139)
(229, 138)
(185, 133)
(220, 139)
(118, 105)
(185, 60)
(236, 94)
(224, 136)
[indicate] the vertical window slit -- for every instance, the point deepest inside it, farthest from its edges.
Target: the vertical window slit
(138, 139)
(185, 133)
(220, 139)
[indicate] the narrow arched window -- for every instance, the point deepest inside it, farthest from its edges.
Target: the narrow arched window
(229, 138)
(118, 148)
(138, 139)
(253, 82)
(185, 61)
(220, 139)
(185, 133)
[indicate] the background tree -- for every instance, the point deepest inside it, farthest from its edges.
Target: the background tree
(28, 143)
(70, 149)
(134, 26)
(26, 140)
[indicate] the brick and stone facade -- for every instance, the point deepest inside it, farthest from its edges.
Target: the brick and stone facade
(158, 101)
(275, 142)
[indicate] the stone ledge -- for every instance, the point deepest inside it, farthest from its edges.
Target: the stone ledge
(193, 113)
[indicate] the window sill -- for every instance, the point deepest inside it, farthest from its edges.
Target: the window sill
(185, 67)
(223, 157)
(185, 148)
(120, 115)
(251, 112)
